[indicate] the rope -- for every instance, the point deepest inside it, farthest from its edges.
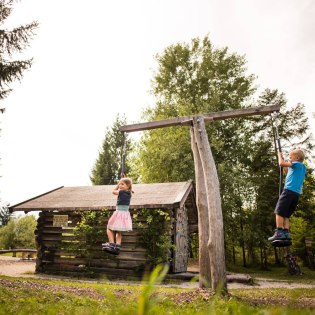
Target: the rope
(274, 122)
(123, 157)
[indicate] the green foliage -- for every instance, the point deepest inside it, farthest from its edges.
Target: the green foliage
(299, 230)
(194, 244)
(5, 214)
(306, 206)
(191, 78)
(154, 229)
(89, 231)
(107, 168)
(11, 42)
(164, 156)
(146, 301)
(7, 235)
(18, 233)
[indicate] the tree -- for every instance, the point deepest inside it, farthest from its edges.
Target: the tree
(306, 206)
(18, 233)
(11, 42)
(4, 214)
(192, 78)
(107, 168)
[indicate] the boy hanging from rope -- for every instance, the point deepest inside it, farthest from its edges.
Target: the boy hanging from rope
(289, 197)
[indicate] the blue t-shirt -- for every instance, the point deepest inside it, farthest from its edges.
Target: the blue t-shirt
(295, 177)
(123, 198)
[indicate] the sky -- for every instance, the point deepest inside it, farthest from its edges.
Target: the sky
(95, 59)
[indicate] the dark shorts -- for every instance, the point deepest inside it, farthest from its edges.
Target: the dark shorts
(287, 203)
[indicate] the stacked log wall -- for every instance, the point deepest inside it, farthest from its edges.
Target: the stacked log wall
(54, 254)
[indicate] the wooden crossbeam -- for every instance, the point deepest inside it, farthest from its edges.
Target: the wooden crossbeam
(187, 120)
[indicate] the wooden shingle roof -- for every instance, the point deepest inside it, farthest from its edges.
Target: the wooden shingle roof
(161, 195)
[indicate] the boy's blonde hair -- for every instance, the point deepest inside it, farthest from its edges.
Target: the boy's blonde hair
(128, 182)
(299, 154)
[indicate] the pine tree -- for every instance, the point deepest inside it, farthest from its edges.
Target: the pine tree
(5, 215)
(11, 42)
(107, 168)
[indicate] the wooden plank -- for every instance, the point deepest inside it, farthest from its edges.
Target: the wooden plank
(193, 228)
(51, 244)
(124, 255)
(181, 241)
(187, 120)
(182, 195)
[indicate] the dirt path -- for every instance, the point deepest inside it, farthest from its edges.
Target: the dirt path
(16, 267)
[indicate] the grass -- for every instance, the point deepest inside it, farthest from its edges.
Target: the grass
(38, 296)
(276, 273)
(43, 296)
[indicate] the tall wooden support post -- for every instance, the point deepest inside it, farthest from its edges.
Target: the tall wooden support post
(216, 233)
(203, 217)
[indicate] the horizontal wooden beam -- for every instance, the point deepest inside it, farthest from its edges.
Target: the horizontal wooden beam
(187, 120)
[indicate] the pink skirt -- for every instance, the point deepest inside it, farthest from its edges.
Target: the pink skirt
(120, 221)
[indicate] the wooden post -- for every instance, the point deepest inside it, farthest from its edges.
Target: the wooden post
(216, 232)
(203, 217)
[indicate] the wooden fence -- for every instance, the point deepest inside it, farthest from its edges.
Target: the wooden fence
(26, 253)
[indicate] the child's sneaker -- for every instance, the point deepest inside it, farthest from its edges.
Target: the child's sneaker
(108, 244)
(111, 248)
(279, 236)
(118, 247)
(287, 235)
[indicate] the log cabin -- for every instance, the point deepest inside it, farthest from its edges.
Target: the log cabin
(62, 249)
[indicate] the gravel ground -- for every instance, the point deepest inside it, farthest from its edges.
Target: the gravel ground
(16, 267)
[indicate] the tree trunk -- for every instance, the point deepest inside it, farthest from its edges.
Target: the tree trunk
(277, 259)
(243, 243)
(216, 232)
(265, 259)
(203, 218)
(234, 255)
